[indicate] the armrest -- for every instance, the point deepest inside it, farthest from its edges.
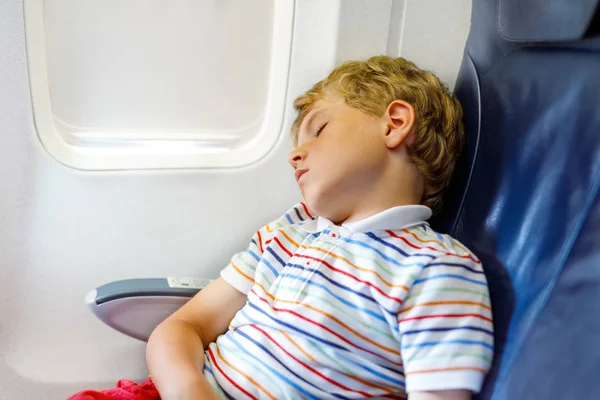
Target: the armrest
(135, 307)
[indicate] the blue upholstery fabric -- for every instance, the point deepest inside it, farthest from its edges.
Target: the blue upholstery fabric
(525, 195)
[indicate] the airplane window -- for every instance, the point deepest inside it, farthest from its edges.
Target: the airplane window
(195, 84)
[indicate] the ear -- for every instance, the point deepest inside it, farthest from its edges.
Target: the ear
(400, 120)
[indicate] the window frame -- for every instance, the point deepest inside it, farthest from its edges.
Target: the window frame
(164, 153)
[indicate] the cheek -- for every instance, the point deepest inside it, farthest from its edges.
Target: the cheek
(331, 165)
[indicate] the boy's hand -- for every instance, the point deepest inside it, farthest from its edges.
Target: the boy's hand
(175, 351)
(441, 395)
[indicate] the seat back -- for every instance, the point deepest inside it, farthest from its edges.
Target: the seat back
(525, 193)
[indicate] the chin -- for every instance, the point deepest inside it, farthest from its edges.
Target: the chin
(321, 207)
(314, 204)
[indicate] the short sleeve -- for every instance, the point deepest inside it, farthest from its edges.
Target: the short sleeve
(446, 326)
(240, 271)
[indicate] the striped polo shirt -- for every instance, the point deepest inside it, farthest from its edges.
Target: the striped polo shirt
(375, 308)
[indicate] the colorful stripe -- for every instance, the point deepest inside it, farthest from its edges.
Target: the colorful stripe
(339, 314)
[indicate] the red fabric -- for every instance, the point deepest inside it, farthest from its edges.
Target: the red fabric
(125, 390)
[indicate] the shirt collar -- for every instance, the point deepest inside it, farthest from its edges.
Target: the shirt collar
(393, 218)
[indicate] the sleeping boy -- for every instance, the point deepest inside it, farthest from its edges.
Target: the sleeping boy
(350, 294)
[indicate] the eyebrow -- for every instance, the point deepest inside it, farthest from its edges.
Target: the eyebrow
(310, 117)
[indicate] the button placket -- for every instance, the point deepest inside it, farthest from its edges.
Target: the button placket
(311, 267)
(304, 275)
(291, 284)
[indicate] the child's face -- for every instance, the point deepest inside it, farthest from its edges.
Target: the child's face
(340, 156)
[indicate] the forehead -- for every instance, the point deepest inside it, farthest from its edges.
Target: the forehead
(327, 103)
(317, 107)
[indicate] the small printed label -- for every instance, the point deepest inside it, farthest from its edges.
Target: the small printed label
(188, 283)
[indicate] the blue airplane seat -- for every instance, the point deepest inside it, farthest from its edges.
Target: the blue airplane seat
(525, 194)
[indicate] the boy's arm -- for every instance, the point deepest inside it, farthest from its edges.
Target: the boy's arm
(441, 395)
(175, 352)
(446, 329)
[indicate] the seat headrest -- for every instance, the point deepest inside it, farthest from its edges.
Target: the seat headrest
(545, 20)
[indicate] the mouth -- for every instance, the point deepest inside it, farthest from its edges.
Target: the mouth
(299, 173)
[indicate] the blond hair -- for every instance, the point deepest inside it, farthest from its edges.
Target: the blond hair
(372, 85)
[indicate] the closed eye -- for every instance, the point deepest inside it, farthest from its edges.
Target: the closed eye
(320, 129)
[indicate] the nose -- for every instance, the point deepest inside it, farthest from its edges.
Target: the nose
(296, 156)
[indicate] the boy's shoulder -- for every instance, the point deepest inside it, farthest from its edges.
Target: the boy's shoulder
(296, 216)
(423, 240)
